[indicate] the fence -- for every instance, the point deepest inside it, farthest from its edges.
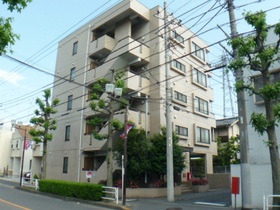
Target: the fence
(30, 182)
(111, 193)
(268, 201)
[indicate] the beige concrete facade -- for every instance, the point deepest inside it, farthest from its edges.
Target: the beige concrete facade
(125, 37)
(5, 145)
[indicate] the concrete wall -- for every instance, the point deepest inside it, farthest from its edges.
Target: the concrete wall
(218, 181)
(149, 192)
(261, 183)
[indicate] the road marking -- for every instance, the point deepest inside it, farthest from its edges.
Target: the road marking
(15, 205)
(210, 204)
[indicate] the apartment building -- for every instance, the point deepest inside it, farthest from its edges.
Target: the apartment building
(20, 150)
(129, 37)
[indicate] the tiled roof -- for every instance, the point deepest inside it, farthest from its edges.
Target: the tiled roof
(226, 122)
(21, 130)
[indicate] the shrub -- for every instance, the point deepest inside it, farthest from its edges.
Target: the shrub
(199, 181)
(159, 184)
(86, 191)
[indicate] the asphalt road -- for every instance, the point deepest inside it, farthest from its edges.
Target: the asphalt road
(12, 198)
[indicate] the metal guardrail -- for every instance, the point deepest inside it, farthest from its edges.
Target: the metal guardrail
(269, 199)
(110, 193)
(30, 182)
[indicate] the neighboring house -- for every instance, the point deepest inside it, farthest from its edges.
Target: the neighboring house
(5, 145)
(226, 128)
(258, 152)
(124, 37)
(20, 143)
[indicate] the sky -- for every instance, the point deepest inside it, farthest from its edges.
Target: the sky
(42, 24)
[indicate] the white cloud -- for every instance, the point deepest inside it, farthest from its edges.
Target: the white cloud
(11, 77)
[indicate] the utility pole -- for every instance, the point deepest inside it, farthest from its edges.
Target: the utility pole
(22, 157)
(244, 147)
(124, 157)
(169, 141)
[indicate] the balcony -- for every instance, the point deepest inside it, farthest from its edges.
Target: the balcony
(37, 150)
(138, 117)
(131, 49)
(101, 47)
(138, 83)
(91, 144)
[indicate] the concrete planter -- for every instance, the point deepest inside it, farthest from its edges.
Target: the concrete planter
(200, 188)
(150, 192)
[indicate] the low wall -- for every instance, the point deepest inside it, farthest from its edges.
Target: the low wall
(218, 181)
(150, 192)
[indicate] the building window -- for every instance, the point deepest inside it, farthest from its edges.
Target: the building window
(89, 128)
(199, 77)
(178, 65)
(93, 65)
(75, 48)
(67, 133)
(198, 51)
(201, 106)
(180, 97)
(72, 74)
(202, 135)
(65, 165)
(69, 102)
(181, 130)
(258, 83)
(88, 164)
(178, 37)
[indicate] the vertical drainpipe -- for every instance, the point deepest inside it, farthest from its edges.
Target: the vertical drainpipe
(83, 105)
(147, 115)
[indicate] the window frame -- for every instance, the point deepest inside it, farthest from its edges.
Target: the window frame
(178, 129)
(178, 65)
(199, 104)
(177, 96)
(199, 78)
(258, 99)
(72, 74)
(180, 39)
(65, 165)
(199, 133)
(198, 52)
(70, 102)
(75, 48)
(67, 132)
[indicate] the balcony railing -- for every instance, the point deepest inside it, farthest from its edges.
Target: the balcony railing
(101, 47)
(138, 83)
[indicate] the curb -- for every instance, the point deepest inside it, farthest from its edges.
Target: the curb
(95, 203)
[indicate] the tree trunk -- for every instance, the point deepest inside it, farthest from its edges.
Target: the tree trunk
(273, 151)
(44, 159)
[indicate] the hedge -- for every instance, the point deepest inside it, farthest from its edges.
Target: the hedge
(86, 191)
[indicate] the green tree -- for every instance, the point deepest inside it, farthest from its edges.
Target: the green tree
(157, 155)
(104, 110)
(7, 36)
(227, 152)
(44, 124)
(137, 154)
(253, 53)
